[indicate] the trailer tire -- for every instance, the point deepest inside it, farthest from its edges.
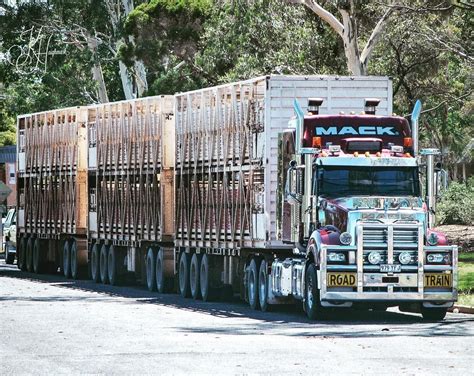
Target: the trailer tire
(204, 280)
(183, 275)
(150, 269)
(160, 271)
(263, 286)
(252, 284)
(194, 277)
(112, 265)
(312, 301)
(38, 261)
(75, 268)
(104, 273)
(433, 314)
(95, 263)
(29, 255)
(67, 259)
(9, 257)
(21, 256)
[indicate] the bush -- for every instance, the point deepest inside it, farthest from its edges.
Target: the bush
(457, 204)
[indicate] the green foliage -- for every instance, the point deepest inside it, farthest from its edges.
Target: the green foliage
(457, 204)
(242, 40)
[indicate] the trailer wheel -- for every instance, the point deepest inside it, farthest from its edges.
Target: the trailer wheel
(204, 281)
(263, 286)
(104, 273)
(95, 263)
(433, 314)
(194, 278)
(253, 285)
(160, 271)
(112, 266)
(183, 272)
(29, 255)
(150, 269)
(67, 259)
(38, 261)
(22, 254)
(313, 307)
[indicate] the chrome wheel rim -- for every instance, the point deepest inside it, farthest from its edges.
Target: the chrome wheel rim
(309, 293)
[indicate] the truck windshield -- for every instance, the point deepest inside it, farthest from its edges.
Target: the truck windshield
(340, 181)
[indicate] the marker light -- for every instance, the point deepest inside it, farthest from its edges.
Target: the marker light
(407, 142)
(367, 154)
(356, 154)
(317, 142)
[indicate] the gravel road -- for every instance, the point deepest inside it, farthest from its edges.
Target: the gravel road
(50, 325)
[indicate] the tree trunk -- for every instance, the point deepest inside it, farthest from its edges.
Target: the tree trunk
(127, 83)
(351, 47)
(97, 72)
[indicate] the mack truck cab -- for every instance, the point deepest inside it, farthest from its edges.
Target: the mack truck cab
(359, 216)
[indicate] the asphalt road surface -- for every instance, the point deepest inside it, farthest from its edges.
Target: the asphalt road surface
(50, 325)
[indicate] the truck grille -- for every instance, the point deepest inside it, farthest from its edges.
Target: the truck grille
(376, 238)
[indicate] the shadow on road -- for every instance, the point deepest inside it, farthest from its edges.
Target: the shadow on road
(344, 323)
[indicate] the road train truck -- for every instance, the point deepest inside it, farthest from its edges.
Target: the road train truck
(237, 189)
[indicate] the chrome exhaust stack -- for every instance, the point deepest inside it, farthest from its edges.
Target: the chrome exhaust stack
(430, 184)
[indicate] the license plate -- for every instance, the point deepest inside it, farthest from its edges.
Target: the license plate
(341, 279)
(386, 268)
(438, 280)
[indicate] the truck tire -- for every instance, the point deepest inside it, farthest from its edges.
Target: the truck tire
(29, 255)
(112, 265)
(160, 271)
(75, 269)
(38, 261)
(104, 273)
(194, 278)
(183, 275)
(204, 280)
(150, 269)
(67, 259)
(433, 314)
(263, 286)
(9, 257)
(312, 302)
(95, 263)
(22, 254)
(252, 284)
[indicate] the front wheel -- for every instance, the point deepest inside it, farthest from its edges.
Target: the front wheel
(433, 314)
(313, 307)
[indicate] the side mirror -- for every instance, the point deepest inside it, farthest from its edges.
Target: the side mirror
(294, 184)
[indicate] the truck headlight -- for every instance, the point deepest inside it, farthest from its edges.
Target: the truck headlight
(345, 238)
(432, 239)
(375, 258)
(336, 257)
(404, 258)
(438, 258)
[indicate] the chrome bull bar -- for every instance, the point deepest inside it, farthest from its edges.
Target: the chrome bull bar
(414, 279)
